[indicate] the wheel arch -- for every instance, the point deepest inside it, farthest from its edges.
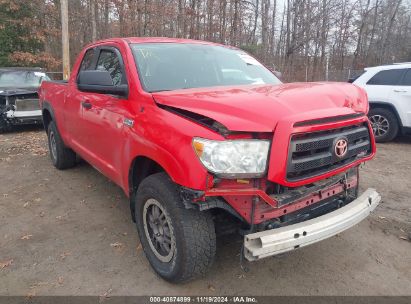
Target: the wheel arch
(48, 114)
(388, 106)
(140, 168)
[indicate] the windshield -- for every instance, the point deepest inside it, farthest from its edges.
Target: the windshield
(21, 79)
(172, 66)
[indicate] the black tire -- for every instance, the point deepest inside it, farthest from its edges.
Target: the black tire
(192, 231)
(388, 121)
(4, 126)
(61, 156)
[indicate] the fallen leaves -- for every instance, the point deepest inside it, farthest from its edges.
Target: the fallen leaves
(39, 284)
(6, 263)
(378, 260)
(26, 237)
(36, 287)
(27, 143)
(105, 295)
(139, 247)
(117, 245)
(64, 216)
(31, 294)
(64, 255)
(211, 287)
(27, 203)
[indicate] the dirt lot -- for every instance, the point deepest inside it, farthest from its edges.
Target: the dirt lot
(70, 233)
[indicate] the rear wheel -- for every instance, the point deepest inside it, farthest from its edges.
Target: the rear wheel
(179, 243)
(384, 124)
(61, 156)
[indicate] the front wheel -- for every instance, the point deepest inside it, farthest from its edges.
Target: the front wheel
(179, 243)
(384, 124)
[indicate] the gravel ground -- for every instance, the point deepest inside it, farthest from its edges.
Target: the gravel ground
(69, 233)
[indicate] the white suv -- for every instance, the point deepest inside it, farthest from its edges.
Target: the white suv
(389, 94)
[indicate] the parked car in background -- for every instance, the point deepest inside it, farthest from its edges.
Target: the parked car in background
(204, 139)
(389, 95)
(19, 102)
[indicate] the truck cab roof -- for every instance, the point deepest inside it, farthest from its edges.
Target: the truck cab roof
(132, 40)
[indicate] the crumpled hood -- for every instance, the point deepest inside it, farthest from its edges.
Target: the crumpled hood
(17, 91)
(259, 108)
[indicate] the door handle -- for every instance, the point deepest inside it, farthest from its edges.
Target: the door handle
(86, 105)
(400, 91)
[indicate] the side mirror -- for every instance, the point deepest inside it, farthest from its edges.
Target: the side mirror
(99, 82)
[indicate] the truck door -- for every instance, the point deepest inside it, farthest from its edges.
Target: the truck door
(104, 116)
(73, 107)
(400, 96)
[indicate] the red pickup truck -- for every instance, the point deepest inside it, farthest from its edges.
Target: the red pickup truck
(205, 140)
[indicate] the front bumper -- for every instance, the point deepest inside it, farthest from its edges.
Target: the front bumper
(34, 114)
(23, 117)
(276, 241)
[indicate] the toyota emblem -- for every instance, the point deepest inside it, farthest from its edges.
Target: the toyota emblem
(341, 147)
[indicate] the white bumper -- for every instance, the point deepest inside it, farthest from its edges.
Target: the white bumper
(275, 241)
(24, 114)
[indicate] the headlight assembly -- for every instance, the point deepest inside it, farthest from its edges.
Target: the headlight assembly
(233, 158)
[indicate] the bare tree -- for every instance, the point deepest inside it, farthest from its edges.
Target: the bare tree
(296, 37)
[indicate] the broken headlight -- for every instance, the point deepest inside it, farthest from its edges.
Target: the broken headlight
(233, 158)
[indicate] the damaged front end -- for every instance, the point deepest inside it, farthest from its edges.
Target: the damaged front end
(261, 204)
(280, 168)
(275, 219)
(19, 107)
(308, 184)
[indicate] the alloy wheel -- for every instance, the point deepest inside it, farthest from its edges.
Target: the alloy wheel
(158, 230)
(380, 125)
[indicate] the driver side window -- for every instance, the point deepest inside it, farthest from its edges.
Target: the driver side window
(110, 62)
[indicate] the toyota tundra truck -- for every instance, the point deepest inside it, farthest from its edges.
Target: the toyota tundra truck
(204, 140)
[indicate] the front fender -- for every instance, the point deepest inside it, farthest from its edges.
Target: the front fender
(166, 138)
